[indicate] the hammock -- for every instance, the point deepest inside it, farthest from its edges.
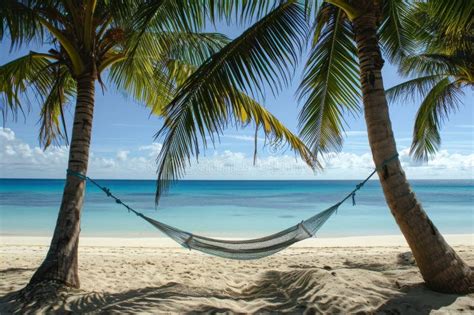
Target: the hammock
(246, 249)
(241, 249)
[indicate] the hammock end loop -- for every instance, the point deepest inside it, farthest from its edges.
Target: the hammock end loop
(385, 162)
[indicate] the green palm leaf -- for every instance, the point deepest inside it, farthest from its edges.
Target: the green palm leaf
(444, 26)
(454, 16)
(428, 64)
(62, 91)
(396, 30)
(181, 16)
(412, 89)
(440, 101)
(167, 15)
(212, 97)
(140, 79)
(52, 90)
(29, 71)
(160, 63)
(442, 68)
(192, 48)
(19, 21)
(330, 86)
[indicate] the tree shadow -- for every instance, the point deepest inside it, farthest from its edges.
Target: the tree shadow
(417, 299)
(273, 291)
(169, 298)
(311, 291)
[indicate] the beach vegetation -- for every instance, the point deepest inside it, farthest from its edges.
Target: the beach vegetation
(440, 71)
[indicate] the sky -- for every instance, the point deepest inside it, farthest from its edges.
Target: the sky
(123, 146)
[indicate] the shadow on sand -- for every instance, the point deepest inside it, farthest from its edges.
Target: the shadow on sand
(310, 291)
(417, 299)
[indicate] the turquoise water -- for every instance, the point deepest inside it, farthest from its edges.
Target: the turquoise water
(230, 208)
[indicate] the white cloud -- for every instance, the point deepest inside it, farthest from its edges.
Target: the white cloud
(19, 159)
(7, 134)
(153, 149)
(122, 155)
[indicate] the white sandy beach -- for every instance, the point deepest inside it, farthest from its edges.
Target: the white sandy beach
(350, 275)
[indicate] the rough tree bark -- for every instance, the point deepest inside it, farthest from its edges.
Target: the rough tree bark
(61, 262)
(442, 269)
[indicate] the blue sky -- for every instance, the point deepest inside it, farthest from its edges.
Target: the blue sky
(122, 144)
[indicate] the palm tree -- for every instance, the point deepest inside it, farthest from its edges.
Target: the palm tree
(442, 71)
(90, 39)
(344, 63)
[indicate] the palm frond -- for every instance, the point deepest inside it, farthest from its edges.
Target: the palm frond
(170, 15)
(412, 89)
(442, 67)
(192, 48)
(212, 97)
(17, 76)
(238, 10)
(330, 86)
(120, 12)
(183, 16)
(427, 64)
(52, 124)
(35, 74)
(454, 15)
(160, 63)
(20, 21)
(182, 130)
(443, 26)
(140, 79)
(396, 30)
(140, 76)
(178, 71)
(441, 100)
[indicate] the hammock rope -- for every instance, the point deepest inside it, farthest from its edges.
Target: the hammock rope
(242, 249)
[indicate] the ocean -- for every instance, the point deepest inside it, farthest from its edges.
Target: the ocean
(230, 208)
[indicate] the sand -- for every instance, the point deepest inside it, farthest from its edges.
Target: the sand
(355, 275)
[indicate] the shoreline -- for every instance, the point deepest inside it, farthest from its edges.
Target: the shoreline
(164, 242)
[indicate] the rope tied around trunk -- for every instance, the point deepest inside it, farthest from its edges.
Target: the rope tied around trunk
(352, 194)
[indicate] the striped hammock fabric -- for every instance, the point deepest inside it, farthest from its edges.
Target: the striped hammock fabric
(246, 249)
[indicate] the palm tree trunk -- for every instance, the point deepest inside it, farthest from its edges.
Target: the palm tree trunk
(61, 262)
(442, 269)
